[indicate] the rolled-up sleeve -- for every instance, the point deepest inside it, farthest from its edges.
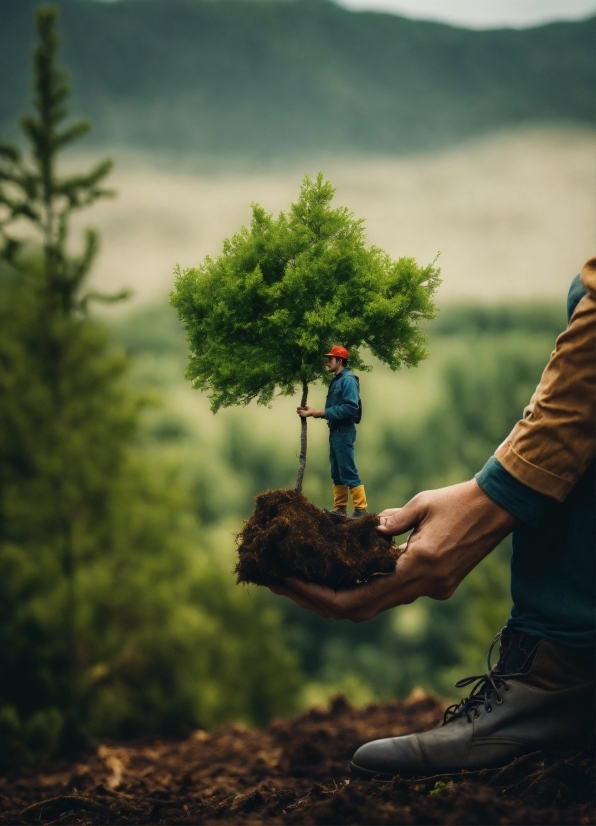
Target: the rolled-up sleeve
(550, 448)
(521, 501)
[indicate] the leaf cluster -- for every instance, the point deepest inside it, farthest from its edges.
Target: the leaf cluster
(261, 315)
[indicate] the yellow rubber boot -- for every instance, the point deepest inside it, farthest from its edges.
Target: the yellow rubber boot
(359, 500)
(340, 498)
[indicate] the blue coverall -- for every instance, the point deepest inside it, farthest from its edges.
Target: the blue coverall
(341, 408)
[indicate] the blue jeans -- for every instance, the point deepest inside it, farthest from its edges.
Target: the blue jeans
(341, 456)
(552, 571)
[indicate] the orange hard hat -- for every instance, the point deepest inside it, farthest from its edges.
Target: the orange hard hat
(339, 353)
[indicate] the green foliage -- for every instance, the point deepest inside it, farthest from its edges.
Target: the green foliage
(113, 621)
(232, 79)
(261, 315)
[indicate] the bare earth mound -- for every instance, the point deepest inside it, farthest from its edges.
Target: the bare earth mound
(289, 536)
(296, 772)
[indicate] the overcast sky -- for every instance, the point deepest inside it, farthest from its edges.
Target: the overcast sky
(479, 14)
(483, 13)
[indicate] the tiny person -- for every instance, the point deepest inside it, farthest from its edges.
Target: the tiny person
(342, 411)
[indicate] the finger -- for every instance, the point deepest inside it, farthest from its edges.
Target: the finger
(298, 599)
(311, 590)
(326, 600)
(356, 604)
(402, 519)
(388, 512)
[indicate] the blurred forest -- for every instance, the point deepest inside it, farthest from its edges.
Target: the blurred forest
(120, 494)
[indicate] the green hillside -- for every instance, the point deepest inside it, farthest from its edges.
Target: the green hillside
(230, 77)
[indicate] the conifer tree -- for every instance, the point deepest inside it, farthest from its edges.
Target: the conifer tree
(48, 372)
(260, 316)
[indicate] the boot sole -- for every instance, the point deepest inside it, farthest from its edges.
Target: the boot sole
(367, 774)
(336, 517)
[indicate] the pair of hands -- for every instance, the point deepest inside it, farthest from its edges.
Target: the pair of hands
(453, 529)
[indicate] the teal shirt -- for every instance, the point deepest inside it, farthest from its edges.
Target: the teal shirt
(341, 404)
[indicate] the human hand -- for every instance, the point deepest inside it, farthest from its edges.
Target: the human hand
(454, 528)
(305, 412)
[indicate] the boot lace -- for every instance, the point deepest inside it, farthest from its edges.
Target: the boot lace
(488, 688)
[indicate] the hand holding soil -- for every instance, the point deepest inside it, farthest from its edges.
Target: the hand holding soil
(454, 528)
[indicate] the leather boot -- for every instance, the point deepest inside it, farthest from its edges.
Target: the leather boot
(359, 499)
(540, 695)
(340, 503)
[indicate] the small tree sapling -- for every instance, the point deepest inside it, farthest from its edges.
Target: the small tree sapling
(259, 316)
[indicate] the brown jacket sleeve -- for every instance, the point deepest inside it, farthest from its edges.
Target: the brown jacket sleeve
(549, 449)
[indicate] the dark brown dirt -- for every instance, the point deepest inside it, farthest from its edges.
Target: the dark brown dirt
(289, 536)
(296, 772)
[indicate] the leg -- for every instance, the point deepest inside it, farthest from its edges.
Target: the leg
(343, 442)
(347, 469)
(553, 572)
(359, 500)
(340, 491)
(335, 474)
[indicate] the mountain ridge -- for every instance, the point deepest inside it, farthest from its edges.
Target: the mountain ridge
(270, 78)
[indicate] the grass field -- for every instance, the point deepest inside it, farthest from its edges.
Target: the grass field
(512, 215)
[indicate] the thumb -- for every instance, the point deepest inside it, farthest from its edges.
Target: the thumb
(399, 520)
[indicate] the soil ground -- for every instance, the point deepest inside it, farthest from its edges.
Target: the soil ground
(296, 771)
(289, 536)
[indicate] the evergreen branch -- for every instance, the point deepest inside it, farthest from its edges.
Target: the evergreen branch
(82, 190)
(73, 133)
(9, 152)
(102, 298)
(85, 181)
(79, 267)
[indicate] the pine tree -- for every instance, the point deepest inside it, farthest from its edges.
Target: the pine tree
(55, 370)
(260, 316)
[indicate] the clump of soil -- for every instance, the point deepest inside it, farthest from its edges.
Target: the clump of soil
(289, 536)
(295, 771)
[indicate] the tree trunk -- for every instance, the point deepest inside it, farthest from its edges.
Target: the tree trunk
(302, 463)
